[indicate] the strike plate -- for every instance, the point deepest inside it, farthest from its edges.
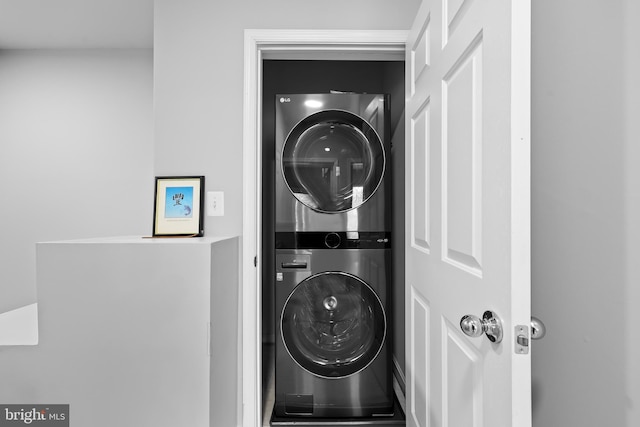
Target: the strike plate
(522, 339)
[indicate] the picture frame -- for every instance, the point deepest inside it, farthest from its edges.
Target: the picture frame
(178, 206)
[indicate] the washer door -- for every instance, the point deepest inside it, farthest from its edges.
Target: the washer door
(333, 161)
(333, 325)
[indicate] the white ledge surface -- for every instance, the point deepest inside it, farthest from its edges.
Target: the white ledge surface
(19, 326)
(143, 240)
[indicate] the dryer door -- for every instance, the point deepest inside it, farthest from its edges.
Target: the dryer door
(333, 161)
(333, 325)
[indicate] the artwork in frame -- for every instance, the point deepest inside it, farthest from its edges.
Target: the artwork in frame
(177, 211)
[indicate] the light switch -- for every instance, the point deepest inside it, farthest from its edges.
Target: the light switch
(215, 203)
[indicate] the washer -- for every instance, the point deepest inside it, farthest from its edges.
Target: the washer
(332, 162)
(333, 351)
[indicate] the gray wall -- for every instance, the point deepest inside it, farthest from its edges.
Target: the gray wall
(76, 153)
(585, 212)
(199, 66)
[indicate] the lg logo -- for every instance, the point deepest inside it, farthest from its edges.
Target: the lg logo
(285, 100)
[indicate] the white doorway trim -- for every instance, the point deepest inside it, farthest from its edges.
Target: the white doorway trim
(280, 44)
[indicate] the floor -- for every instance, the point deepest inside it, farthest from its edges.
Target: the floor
(268, 379)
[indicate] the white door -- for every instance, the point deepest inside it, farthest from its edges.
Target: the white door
(467, 234)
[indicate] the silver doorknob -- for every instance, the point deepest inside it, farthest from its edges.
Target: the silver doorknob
(490, 325)
(538, 330)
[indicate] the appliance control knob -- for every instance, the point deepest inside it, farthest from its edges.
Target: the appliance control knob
(332, 240)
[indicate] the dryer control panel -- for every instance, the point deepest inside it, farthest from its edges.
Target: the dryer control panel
(333, 240)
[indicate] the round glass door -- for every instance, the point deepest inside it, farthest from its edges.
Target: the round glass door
(333, 325)
(333, 161)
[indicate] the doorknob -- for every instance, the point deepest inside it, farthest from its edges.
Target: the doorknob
(538, 330)
(490, 324)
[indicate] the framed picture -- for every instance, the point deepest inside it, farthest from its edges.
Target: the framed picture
(178, 206)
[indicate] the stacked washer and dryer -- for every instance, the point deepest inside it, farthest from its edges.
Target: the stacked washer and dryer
(333, 257)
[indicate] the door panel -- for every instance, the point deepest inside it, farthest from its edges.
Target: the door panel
(420, 148)
(419, 404)
(420, 53)
(462, 162)
(463, 379)
(467, 231)
(454, 12)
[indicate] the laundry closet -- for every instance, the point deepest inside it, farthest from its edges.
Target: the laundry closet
(324, 258)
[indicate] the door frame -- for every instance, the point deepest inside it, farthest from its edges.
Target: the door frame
(280, 44)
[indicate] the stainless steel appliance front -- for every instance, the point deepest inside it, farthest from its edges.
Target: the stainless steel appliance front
(332, 342)
(332, 162)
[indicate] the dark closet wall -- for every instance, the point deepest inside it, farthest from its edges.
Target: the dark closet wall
(295, 76)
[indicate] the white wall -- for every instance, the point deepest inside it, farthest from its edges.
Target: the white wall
(76, 153)
(199, 63)
(586, 205)
(125, 334)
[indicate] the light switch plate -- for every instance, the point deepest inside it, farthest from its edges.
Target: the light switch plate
(215, 203)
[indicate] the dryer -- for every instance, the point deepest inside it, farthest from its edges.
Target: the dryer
(333, 344)
(332, 161)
